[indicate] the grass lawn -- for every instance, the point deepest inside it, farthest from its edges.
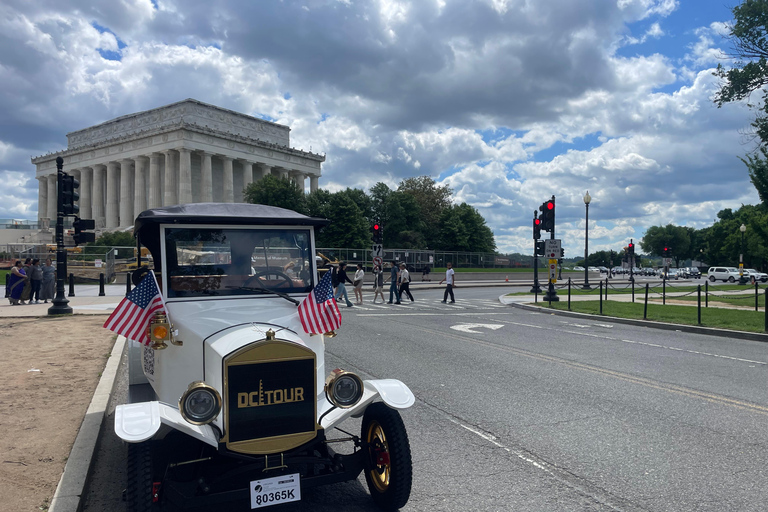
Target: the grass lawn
(737, 320)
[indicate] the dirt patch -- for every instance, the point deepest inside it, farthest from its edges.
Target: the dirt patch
(50, 368)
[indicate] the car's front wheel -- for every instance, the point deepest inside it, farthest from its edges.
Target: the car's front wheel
(140, 491)
(731, 279)
(711, 279)
(388, 469)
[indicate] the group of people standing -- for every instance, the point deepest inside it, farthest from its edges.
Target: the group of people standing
(400, 281)
(31, 282)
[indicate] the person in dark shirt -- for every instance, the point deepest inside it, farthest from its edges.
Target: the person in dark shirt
(341, 275)
(393, 283)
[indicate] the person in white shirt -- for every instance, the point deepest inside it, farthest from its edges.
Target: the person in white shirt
(449, 281)
(358, 283)
(405, 281)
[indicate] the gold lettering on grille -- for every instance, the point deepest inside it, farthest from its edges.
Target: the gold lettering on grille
(262, 398)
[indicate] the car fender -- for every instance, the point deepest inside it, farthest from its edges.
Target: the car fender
(135, 423)
(390, 391)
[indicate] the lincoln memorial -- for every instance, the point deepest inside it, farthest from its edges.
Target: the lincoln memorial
(186, 152)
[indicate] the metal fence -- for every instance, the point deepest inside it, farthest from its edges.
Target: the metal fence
(419, 259)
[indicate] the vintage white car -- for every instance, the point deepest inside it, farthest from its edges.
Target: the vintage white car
(231, 400)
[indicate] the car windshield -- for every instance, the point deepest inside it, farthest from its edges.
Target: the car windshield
(204, 262)
(732, 269)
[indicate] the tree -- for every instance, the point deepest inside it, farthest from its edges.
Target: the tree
(749, 38)
(275, 191)
(403, 222)
(675, 237)
(432, 201)
(348, 227)
(114, 239)
(479, 234)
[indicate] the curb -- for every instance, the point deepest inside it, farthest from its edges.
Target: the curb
(709, 331)
(73, 479)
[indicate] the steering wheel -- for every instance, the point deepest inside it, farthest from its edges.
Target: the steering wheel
(276, 273)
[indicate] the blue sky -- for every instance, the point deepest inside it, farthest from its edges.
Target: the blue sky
(508, 102)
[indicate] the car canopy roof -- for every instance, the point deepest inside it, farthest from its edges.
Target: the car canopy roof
(147, 226)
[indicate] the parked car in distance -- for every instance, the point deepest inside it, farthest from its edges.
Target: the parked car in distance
(729, 274)
(647, 271)
(671, 273)
(690, 272)
(594, 269)
(578, 268)
(755, 276)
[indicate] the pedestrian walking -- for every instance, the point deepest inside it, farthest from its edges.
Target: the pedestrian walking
(393, 284)
(26, 292)
(449, 283)
(378, 284)
(49, 281)
(36, 277)
(18, 277)
(405, 281)
(358, 283)
(341, 290)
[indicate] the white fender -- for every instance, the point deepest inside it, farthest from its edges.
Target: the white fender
(390, 391)
(139, 422)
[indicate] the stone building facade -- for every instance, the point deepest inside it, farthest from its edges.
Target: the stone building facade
(186, 152)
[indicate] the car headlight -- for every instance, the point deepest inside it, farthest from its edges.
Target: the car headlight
(343, 389)
(200, 403)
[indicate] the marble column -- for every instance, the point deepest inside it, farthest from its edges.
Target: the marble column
(264, 170)
(247, 176)
(42, 199)
(113, 207)
(313, 183)
(98, 195)
(170, 197)
(140, 186)
(284, 174)
(86, 193)
(228, 181)
(185, 176)
(53, 206)
(126, 197)
(299, 178)
(206, 187)
(155, 201)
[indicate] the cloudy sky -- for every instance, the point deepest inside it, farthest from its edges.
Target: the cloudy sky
(506, 101)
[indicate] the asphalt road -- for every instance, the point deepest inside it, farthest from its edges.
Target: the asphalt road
(538, 412)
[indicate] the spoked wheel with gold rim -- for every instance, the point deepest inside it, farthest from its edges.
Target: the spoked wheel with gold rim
(388, 469)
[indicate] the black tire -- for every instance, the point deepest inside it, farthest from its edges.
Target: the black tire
(711, 279)
(731, 279)
(388, 467)
(138, 492)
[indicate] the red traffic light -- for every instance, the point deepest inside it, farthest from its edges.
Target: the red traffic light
(376, 227)
(666, 249)
(550, 205)
(631, 246)
(537, 221)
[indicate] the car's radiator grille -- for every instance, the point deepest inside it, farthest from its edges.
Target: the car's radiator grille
(271, 399)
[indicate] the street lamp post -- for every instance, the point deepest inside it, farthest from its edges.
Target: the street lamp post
(587, 199)
(742, 279)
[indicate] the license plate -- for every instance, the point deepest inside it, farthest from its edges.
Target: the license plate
(276, 490)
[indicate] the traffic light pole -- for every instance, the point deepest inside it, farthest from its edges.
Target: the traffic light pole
(551, 295)
(60, 302)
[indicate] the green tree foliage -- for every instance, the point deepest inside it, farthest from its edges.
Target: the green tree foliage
(348, 227)
(432, 201)
(403, 222)
(115, 239)
(721, 242)
(749, 39)
(275, 191)
(677, 238)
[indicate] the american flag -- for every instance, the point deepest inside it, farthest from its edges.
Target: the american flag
(133, 314)
(318, 311)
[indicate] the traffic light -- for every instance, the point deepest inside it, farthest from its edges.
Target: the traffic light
(540, 247)
(377, 233)
(667, 251)
(631, 249)
(547, 216)
(536, 228)
(69, 195)
(562, 253)
(80, 225)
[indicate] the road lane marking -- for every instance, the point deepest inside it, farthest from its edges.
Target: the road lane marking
(642, 381)
(468, 327)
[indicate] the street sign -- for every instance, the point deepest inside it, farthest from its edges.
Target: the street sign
(553, 269)
(377, 250)
(378, 260)
(552, 248)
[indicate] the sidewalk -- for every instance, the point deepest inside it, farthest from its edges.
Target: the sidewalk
(85, 302)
